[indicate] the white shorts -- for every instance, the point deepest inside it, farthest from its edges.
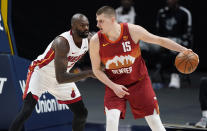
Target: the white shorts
(38, 82)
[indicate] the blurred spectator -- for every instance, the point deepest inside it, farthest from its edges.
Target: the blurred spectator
(203, 103)
(126, 12)
(175, 22)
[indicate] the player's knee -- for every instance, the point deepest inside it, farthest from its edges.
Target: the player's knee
(27, 111)
(112, 123)
(82, 116)
(112, 116)
(111, 119)
(28, 106)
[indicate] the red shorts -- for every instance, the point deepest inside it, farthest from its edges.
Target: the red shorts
(142, 99)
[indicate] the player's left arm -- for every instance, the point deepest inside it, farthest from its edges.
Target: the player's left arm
(61, 48)
(119, 90)
(139, 33)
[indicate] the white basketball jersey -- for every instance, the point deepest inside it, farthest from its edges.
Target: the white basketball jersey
(45, 62)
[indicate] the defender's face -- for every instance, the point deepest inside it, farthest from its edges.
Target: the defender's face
(104, 23)
(82, 28)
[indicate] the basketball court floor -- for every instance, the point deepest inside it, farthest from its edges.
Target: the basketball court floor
(177, 106)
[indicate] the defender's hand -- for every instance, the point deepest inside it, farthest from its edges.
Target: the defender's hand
(91, 74)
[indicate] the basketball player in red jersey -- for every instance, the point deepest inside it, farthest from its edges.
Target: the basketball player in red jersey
(50, 72)
(116, 46)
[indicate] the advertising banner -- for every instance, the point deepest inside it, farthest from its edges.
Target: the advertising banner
(7, 41)
(48, 114)
(8, 95)
(4, 43)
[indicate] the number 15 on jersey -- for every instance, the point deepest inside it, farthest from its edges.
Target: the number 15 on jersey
(126, 46)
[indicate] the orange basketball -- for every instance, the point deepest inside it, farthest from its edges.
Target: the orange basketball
(186, 63)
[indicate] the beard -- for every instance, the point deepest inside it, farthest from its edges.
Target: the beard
(83, 34)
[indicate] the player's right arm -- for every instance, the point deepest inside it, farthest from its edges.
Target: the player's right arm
(61, 48)
(97, 70)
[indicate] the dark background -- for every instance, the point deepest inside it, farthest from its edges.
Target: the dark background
(36, 22)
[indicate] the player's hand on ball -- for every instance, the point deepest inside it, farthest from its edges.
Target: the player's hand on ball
(187, 51)
(187, 61)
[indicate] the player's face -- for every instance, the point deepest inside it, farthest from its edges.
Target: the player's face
(82, 28)
(104, 23)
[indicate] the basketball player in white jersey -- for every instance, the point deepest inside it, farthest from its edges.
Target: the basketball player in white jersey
(50, 72)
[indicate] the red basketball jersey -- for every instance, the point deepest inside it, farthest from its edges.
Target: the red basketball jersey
(122, 58)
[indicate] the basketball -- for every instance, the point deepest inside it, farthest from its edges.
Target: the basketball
(186, 63)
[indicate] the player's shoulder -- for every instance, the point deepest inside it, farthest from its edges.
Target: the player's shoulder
(60, 43)
(60, 40)
(94, 38)
(94, 41)
(136, 31)
(134, 28)
(90, 35)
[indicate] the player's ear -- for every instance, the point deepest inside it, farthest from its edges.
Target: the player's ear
(113, 19)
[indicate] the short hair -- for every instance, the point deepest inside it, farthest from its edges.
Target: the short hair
(76, 17)
(107, 10)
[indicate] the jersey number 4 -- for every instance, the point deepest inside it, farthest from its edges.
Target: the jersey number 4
(126, 46)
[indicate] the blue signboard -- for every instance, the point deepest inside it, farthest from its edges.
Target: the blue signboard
(8, 102)
(48, 114)
(7, 41)
(4, 43)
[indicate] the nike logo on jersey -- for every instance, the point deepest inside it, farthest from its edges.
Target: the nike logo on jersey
(105, 44)
(84, 47)
(125, 38)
